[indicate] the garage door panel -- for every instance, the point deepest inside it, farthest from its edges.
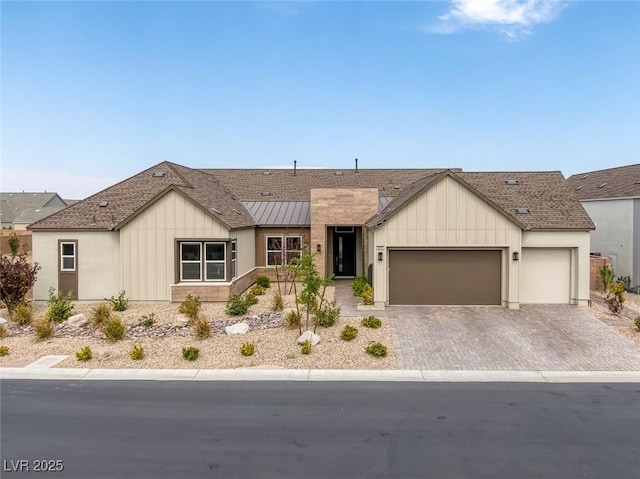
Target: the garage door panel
(444, 277)
(545, 276)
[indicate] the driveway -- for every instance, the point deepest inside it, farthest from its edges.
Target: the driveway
(540, 337)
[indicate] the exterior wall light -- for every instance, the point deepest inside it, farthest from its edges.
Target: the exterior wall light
(379, 255)
(318, 248)
(515, 255)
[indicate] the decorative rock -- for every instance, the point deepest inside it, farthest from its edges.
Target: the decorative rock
(309, 336)
(77, 321)
(181, 321)
(238, 328)
(3, 321)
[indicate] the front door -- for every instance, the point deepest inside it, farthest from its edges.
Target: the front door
(344, 252)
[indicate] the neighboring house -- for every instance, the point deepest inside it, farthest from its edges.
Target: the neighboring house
(18, 210)
(612, 199)
(426, 236)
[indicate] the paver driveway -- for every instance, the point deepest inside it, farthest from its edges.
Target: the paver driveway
(540, 337)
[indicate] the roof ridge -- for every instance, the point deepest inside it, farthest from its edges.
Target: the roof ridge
(605, 169)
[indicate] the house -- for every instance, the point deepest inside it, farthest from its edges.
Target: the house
(612, 199)
(18, 210)
(423, 236)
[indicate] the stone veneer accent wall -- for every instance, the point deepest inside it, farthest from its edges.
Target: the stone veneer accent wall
(339, 207)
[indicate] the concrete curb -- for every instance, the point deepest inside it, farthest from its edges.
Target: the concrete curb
(251, 374)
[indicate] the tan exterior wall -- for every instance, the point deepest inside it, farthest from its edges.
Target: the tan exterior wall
(245, 248)
(338, 207)
(98, 263)
(149, 244)
(449, 215)
(261, 240)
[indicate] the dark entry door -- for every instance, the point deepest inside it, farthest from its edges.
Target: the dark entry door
(68, 267)
(344, 252)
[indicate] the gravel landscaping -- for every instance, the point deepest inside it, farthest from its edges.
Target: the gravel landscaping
(275, 344)
(624, 323)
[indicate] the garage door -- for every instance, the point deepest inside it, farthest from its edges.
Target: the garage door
(545, 276)
(444, 277)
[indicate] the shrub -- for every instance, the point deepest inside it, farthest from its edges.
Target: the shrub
(190, 353)
(371, 322)
(377, 349)
(4, 350)
(367, 295)
(263, 281)
(84, 354)
(202, 328)
(3, 331)
(113, 329)
(236, 305)
(100, 314)
(306, 347)
(43, 329)
(23, 313)
(148, 320)
(328, 314)
(60, 307)
(608, 276)
(247, 349)
(250, 299)
(358, 285)
(190, 307)
(615, 298)
(277, 304)
(292, 319)
(14, 243)
(637, 321)
(136, 353)
(349, 333)
(18, 276)
(121, 303)
(257, 290)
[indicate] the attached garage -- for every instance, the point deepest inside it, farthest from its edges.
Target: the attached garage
(444, 277)
(545, 275)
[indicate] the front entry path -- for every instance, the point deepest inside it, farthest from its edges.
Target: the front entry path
(534, 338)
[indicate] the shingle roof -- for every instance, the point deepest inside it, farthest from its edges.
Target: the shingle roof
(113, 207)
(621, 182)
(551, 202)
(15, 205)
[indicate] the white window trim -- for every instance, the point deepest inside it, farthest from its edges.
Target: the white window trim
(63, 256)
(182, 261)
(281, 250)
(215, 261)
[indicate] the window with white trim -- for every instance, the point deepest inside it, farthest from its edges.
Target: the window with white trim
(67, 256)
(202, 261)
(234, 267)
(281, 248)
(274, 250)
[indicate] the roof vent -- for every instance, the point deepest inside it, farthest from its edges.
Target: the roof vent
(602, 185)
(380, 188)
(396, 187)
(510, 182)
(637, 182)
(523, 211)
(339, 173)
(578, 188)
(104, 204)
(159, 174)
(236, 211)
(266, 173)
(216, 210)
(585, 177)
(265, 193)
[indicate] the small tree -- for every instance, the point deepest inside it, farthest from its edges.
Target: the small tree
(14, 243)
(608, 276)
(17, 277)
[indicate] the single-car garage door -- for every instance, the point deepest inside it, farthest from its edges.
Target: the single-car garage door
(545, 275)
(444, 277)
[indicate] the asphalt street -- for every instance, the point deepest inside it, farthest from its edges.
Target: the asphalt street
(157, 429)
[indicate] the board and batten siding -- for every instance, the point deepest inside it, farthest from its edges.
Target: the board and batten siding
(245, 250)
(149, 244)
(98, 262)
(449, 215)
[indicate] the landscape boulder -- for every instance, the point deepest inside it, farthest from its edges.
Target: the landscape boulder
(77, 321)
(238, 328)
(310, 336)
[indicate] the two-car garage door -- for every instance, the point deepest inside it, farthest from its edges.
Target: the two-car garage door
(444, 276)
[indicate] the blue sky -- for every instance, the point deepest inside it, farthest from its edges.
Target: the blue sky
(93, 92)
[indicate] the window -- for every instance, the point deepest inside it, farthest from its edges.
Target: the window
(234, 268)
(283, 247)
(67, 256)
(192, 266)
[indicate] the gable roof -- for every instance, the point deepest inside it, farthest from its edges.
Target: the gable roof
(28, 205)
(551, 203)
(620, 182)
(112, 208)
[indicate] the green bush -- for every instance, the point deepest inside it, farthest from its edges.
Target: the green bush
(4, 350)
(148, 320)
(23, 313)
(190, 353)
(263, 281)
(113, 329)
(292, 319)
(637, 321)
(202, 328)
(250, 299)
(277, 304)
(615, 297)
(100, 314)
(306, 347)
(328, 315)
(14, 243)
(190, 307)
(84, 354)
(377, 349)
(367, 295)
(239, 304)
(358, 285)
(136, 353)
(371, 322)
(3, 331)
(349, 333)
(43, 329)
(247, 349)
(60, 307)
(608, 277)
(121, 303)
(257, 290)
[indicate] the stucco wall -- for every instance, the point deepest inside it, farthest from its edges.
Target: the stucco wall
(98, 263)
